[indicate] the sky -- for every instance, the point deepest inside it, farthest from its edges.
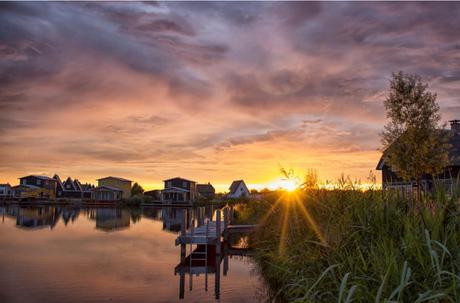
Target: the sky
(211, 91)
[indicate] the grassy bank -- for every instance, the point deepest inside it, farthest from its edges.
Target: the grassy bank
(348, 245)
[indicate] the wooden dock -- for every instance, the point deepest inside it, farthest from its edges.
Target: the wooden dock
(210, 232)
(204, 234)
(207, 255)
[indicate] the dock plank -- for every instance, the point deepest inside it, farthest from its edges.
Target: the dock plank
(198, 236)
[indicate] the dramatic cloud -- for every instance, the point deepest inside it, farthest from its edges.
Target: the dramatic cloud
(212, 91)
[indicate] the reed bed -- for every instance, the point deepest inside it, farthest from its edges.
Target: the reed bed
(348, 245)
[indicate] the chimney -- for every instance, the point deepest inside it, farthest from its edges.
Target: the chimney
(455, 125)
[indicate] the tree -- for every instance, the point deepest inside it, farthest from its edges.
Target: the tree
(413, 142)
(136, 189)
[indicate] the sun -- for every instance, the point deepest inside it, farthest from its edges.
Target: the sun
(290, 185)
(286, 184)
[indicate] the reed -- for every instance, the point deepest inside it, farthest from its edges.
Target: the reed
(348, 245)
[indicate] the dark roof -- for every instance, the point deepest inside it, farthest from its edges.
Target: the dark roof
(205, 188)
(39, 177)
(235, 184)
(153, 191)
(179, 178)
(454, 154)
(105, 187)
(69, 181)
(5, 184)
(118, 178)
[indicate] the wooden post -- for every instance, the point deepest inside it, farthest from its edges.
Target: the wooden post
(184, 222)
(181, 285)
(218, 222)
(217, 277)
(225, 259)
(225, 224)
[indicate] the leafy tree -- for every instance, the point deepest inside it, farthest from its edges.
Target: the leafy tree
(136, 189)
(413, 142)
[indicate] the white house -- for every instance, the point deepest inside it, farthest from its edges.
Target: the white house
(5, 191)
(238, 189)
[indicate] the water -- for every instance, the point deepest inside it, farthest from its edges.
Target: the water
(68, 254)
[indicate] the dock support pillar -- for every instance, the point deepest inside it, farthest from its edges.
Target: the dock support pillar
(217, 278)
(218, 232)
(225, 259)
(181, 285)
(226, 218)
(183, 248)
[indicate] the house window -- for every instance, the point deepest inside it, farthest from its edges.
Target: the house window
(184, 184)
(24, 181)
(39, 181)
(1, 192)
(168, 184)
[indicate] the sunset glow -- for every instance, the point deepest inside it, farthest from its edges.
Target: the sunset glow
(210, 91)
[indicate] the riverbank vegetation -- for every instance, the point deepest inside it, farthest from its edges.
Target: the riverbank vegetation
(345, 245)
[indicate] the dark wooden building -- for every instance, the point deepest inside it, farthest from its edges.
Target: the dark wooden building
(448, 179)
(179, 190)
(34, 182)
(154, 194)
(206, 190)
(72, 189)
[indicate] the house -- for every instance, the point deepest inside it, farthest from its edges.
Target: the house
(5, 191)
(206, 190)
(154, 194)
(179, 190)
(107, 193)
(447, 179)
(35, 186)
(72, 189)
(116, 182)
(238, 189)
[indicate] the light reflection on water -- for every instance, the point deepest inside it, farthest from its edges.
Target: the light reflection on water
(71, 254)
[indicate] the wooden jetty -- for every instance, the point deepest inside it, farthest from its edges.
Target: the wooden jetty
(210, 233)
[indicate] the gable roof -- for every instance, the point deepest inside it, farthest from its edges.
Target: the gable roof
(105, 187)
(39, 177)
(179, 178)
(117, 178)
(205, 187)
(69, 181)
(77, 185)
(235, 184)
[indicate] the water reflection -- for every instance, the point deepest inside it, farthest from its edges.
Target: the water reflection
(31, 218)
(134, 244)
(106, 218)
(110, 219)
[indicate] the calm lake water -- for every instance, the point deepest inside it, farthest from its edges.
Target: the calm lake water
(67, 254)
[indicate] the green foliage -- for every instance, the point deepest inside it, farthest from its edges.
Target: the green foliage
(137, 190)
(413, 143)
(350, 245)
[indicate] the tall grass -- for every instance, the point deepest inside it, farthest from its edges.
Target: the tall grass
(355, 246)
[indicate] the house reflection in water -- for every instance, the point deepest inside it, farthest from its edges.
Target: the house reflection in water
(110, 219)
(173, 218)
(36, 217)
